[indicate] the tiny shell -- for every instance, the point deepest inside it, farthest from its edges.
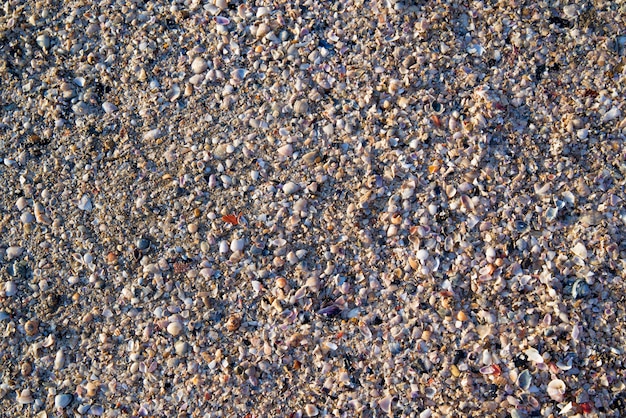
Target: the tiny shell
(174, 328)
(151, 135)
(614, 113)
(524, 380)
(580, 250)
(220, 20)
(237, 245)
(109, 107)
(301, 107)
(14, 252)
(31, 327)
(556, 390)
(580, 289)
(385, 404)
(533, 355)
(25, 397)
(285, 150)
(290, 188)
(62, 400)
(233, 323)
(198, 65)
(311, 410)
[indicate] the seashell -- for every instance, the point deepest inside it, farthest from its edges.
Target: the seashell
(614, 113)
(524, 379)
(59, 360)
(174, 328)
(533, 355)
(237, 245)
(25, 397)
(422, 255)
(311, 410)
(301, 107)
(13, 252)
(290, 188)
(152, 134)
(31, 327)
(262, 30)
(286, 150)
(92, 389)
(385, 404)
(580, 250)
(556, 390)
(233, 323)
(329, 311)
(220, 20)
(108, 107)
(580, 289)
(63, 400)
(437, 107)
(198, 65)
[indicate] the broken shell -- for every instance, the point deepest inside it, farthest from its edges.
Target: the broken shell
(556, 390)
(580, 289)
(524, 380)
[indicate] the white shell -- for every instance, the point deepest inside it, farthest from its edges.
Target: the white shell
(290, 188)
(556, 390)
(109, 107)
(198, 65)
(237, 245)
(14, 252)
(614, 113)
(580, 250)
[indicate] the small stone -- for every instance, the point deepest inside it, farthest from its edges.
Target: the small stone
(192, 228)
(175, 328)
(582, 133)
(62, 400)
(198, 65)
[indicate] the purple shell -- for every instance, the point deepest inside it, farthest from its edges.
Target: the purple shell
(220, 20)
(330, 310)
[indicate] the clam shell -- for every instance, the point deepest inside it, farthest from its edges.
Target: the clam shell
(556, 390)
(25, 397)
